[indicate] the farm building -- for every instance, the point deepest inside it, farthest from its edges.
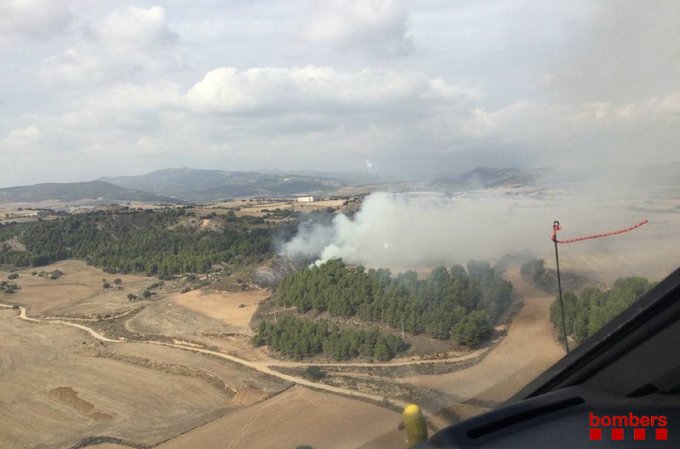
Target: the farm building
(305, 199)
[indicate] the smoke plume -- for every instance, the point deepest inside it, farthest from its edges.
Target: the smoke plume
(420, 230)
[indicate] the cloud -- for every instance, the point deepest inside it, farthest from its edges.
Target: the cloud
(123, 45)
(583, 134)
(374, 27)
(271, 90)
(236, 85)
(626, 51)
(135, 29)
(35, 19)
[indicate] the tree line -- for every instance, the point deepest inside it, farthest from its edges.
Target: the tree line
(135, 241)
(457, 303)
(299, 338)
(587, 312)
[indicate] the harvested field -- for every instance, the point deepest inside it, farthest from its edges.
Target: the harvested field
(107, 446)
(248, 386)
(235, 309)
(165, 317)
(67, 387)
(317, 205)
(298, 416)
(78, 292)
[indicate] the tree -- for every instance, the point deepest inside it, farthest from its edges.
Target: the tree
(315, 373)
(586, 313)
(434, 305)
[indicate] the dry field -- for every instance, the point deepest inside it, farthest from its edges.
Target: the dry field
(65, 387)
(235, 309)
(258, 208)
(153, 393)
(107, 446)
(216, 319)
(652, 251)
(298, 416)
(62, 385)
(316, 205)
(78, 292)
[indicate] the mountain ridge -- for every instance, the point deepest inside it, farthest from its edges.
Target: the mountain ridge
(76, 191)
(200, 185)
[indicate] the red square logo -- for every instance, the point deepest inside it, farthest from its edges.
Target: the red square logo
(617, 434)
(639, 434)
(662, 434)
(596, 434)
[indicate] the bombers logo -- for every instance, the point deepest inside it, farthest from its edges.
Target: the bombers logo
(620, 427)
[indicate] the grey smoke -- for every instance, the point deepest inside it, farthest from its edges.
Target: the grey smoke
(428, 229)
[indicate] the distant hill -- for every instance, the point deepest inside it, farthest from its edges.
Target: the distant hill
(488, 177)
(176, 185)
(77, 191)
(211, 185)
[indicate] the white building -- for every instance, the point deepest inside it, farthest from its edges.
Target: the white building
(305, 199)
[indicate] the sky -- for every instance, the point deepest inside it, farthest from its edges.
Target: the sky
(92, 88)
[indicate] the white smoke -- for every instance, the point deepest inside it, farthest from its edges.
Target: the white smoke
(416, 230)
(407, 231)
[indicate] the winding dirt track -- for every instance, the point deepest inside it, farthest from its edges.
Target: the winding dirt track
(527, 350)
(263, 367)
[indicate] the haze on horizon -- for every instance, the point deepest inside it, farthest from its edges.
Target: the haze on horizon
(379, 86)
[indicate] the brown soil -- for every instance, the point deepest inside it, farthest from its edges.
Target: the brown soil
(235, 309)
(298, 416)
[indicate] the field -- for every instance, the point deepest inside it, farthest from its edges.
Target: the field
(234, 309)
(78, 292)
(178, 370)
(260, 208)
(66, 386)
(155, 392)
(298, 416)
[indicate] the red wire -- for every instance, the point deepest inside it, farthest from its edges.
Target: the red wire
(597, 236)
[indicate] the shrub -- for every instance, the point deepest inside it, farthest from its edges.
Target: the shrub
(314, 373)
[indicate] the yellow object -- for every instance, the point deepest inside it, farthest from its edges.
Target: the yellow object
(414, 423)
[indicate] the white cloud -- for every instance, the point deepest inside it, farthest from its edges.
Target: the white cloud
(37, 19)
(123, 45)
(376, 27)
(22, 137)
(136, 29)
(270, 90)
(126, 106)
(237, 85)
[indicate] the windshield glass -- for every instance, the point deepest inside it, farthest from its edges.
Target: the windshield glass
(276, 224)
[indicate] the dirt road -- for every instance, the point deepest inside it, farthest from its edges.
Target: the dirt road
(528, 349)
(261, 366)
